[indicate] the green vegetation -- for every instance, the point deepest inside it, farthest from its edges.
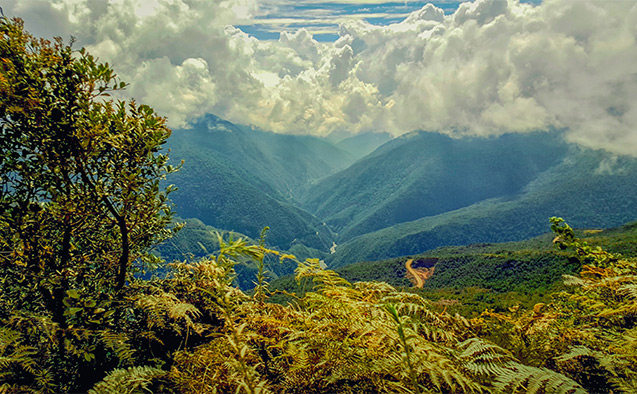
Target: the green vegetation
(423, 174)
(242, 179)
(470, 279)
(283, 164)
(574, 188)
(82, 208)
(80, 205)
(195, 240)
(366, 336)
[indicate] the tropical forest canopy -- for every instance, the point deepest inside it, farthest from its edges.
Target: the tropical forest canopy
(85, 199)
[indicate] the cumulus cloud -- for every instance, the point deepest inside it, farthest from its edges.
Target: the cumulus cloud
(491, 67)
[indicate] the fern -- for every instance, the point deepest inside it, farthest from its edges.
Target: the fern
(629, 289)
(162, 305)
(482, 358)
(518, 378)
(132, 380)
(327, 280)
(575, 353)
(16, 359)
(118, 343)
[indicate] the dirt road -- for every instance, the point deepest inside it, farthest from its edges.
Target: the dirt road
(420, 274)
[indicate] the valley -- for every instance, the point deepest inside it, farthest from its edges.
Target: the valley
(408, 195)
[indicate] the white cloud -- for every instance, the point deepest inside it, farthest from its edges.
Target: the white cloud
(493, 66)
(480, 11)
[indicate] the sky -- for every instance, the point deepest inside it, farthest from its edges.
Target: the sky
(322, 18)
(317, 67)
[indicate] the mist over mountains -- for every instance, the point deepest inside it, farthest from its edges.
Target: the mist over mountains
(411, 194)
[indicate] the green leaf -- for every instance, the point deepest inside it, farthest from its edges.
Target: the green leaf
(72, 311)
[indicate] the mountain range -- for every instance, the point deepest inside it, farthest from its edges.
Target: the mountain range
(591, 189)
(370, 197)
(243, 179)
(425, 174)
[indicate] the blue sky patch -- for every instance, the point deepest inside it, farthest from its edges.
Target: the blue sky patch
(322, 19)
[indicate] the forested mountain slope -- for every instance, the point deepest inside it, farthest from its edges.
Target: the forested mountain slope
(469, 279)
(412, 194)
(240, 179)
(592, 188)
(286, 163)
(424, 174)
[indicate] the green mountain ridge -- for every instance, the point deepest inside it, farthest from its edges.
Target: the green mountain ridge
(242, 179)
(576, 188)
(412, 194)
(285, 162)
(424, 174)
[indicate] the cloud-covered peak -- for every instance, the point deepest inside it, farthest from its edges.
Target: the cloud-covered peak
(490, 67)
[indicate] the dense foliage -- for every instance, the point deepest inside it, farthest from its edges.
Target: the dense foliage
(469, 279)
(81, 206)
(204, 335)
(195, 241)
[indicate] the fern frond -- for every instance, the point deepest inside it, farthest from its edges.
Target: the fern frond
(576, 352)
(474, 347)
(373, 291)
(14, 354)
(435, 334)
(164, 305)
(130, 380)
(482, 358)
(629, 290)
(324, 278)
(518, 378)
(118, 343)
(627, 383)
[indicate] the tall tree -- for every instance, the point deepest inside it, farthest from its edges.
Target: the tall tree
(80, 173)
